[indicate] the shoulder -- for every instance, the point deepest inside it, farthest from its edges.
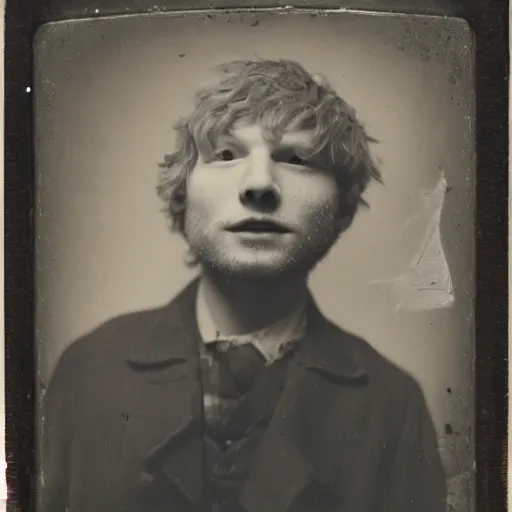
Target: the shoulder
(393, 395)
(380, 368)
(386, 381)
(108, 340)
(111, 343)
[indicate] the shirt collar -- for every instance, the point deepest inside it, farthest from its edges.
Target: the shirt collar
(271, 342)
(169, 335)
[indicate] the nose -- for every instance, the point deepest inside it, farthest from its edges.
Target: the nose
(258, 190)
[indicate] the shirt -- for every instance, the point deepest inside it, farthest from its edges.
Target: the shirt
(242, 379)
(271, 342)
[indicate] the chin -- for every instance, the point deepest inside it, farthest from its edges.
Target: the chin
(259, 267)
(255, 272)
(245, 263)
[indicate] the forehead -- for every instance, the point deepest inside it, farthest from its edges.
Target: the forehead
(252, 135)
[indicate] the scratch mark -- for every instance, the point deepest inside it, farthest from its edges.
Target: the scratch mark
(427, 283)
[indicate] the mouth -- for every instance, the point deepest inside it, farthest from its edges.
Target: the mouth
(258, 226)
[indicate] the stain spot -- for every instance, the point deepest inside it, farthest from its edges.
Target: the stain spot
(255, 23)
(448, 429)
(452, 80)
(414, 287)
(126, 417)
(448, 189)
(423, 48)
(314, 15)
(181, 55)
(457, 70)
(449, 390)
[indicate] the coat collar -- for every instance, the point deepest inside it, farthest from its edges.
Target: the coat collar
(297, 450)
(174, 335)
(291, 456)
(329, 350)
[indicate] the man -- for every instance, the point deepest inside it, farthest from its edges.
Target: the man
(240, 395)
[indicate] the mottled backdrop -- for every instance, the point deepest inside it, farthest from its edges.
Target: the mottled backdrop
(107, 93)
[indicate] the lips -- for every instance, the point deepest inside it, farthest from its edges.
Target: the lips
(258, 226)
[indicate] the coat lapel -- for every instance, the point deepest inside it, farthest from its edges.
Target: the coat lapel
(165, 413)
(297, 451)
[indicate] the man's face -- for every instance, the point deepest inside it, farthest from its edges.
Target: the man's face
(257, 209)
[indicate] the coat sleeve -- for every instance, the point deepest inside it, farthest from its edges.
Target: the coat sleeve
(417, 476)
(55, 433)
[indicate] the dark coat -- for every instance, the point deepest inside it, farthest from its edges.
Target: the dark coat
(121, 429)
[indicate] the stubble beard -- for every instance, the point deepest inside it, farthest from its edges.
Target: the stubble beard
(300, 261)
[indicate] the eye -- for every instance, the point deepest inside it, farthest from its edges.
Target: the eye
(295, 160)
(226, 155)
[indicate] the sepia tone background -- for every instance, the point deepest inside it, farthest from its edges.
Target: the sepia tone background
(107, 93)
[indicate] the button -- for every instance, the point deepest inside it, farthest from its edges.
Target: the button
(146, 478)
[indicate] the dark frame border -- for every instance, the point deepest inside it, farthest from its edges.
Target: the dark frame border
(489, 20)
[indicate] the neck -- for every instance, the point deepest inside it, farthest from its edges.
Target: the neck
(243, 307)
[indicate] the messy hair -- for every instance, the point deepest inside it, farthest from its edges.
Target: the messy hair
(277, 95)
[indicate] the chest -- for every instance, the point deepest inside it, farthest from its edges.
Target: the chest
(140, 440)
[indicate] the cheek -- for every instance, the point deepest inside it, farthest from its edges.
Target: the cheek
(198, 206)
(206, 185)
(318, 198)
(200, 191)
(206, 197)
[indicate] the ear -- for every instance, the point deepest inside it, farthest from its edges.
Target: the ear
(347, 209)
